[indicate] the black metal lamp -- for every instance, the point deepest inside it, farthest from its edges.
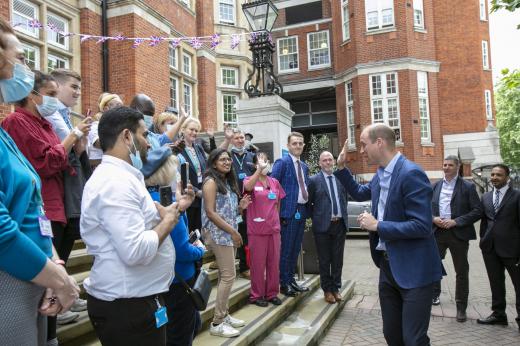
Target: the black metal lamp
(261, 15)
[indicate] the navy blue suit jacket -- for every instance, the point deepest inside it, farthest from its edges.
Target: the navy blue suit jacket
(406, 228)
(320, 205)
(283, 170)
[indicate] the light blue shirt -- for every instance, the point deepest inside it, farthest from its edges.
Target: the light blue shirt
(60, 121)
(385, 178)
(445, 198)
(336, 193)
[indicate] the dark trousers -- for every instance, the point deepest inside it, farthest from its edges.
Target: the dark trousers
(241, 252)
(406, 312)
(183, 319)
(330, 246)
(292, 236)
(495, 267)
(129, 321)
(459, 253)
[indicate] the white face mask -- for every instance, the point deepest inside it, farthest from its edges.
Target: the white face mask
(169, 127)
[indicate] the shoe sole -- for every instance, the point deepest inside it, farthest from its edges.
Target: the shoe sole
(223, 335)
(63, 322)
(494, 323)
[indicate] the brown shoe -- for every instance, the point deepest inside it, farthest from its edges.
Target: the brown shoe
(337, 296)
(329, 298)
(246, 275)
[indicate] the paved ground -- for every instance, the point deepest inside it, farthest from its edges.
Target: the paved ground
(360, 321)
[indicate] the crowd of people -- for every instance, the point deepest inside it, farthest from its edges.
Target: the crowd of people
(102, 179)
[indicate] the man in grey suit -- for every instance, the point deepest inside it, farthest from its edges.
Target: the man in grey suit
(328, 207)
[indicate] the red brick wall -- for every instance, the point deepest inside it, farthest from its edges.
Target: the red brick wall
(91, 62)
(181, 17)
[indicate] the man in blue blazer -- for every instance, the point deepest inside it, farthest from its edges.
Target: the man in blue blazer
(401, 236)
(293, 175)
(328, 208)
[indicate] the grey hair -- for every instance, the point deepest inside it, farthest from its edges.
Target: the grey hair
(453, 158)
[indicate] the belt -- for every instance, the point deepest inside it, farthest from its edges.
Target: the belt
(336, 219)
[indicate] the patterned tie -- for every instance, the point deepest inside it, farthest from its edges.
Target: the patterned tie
(301, 182)
(65, 115)
(496, 203)
(333, 196)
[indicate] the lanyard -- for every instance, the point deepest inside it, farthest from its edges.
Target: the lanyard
(240, 163)
(195, 159)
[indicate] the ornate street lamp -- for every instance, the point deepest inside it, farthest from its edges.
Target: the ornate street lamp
(261, 15)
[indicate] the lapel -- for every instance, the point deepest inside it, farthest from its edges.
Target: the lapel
(292, 170)
(188, 158)
(375, 188)
(456, 190)
(324, 184)
(393, 181)
(437, 192)
(200, 155)
(507, 196)
(487, 200)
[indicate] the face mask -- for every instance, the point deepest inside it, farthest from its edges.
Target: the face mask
(135, 157)
(169, 127)
(148, 120)
(237, 150)
(19, 86)
(48, 107)
(266, 170)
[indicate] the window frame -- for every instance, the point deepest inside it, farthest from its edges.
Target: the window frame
(50, 33)
(384, 97)
(297, 69)
(174, 78)
(231, 3)
(57, 57)
(483, 10)
(418, 5)
(237, 97)
(190, 104)
(485, 55)
(489, 104)
(236, 77)
(37, 55)
(379, 11)
(33, 32)
(424, 95)
(345, 22)
(190, 59)
(350, 114)
(175, 57)
(320, 66)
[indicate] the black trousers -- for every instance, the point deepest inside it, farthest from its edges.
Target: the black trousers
(406, 312)
(459, 253)
(495, 267)
(194, 218)
(330, 246)
(241, 252)
(183, 319)
(128, 321)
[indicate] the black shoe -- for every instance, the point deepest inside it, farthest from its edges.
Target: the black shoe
(436, 301)
(288, 291)
(461, 315)
(260, 302)
(298, 288)
(275, 301)
(493, 319)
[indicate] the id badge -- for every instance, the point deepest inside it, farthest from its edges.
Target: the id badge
(161, 317)
(259, 188)
(199, 179)
(242, 176)
(297, 216)
(45, 226)
(239, 219)
(271, 195)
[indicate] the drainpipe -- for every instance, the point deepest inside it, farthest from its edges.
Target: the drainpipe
(104, 49)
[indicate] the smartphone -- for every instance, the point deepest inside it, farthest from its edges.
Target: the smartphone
(165, 195)
(185, 175)
(194, 236)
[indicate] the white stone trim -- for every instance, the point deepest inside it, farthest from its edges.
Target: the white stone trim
(301, 25)
(309, 85)
(206, 54)
(92, 5)
(141, 12)
(290, 3)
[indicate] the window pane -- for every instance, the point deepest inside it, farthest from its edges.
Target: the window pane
(393, 116)
(227, 11)
(186, 64)
(172, 57)
(373, 20)
(54, 62)
(319, 49)
(350, 95)
(287, 54)
(229, 103)
(173, 92)
(229, 76)
(346, 20)
(377, 106)
(61, 24)
(23, 12)
(32, 56)
(388, 17)
(187, 98)
(301, 121)
(391, 84)
(376, 85)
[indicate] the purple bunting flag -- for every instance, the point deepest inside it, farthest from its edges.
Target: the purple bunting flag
(195, 43)
(137, 42)
(235, 41)
(215, 41)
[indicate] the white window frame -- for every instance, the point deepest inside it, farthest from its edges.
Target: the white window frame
(379, 9)
(485, 55)
(488, 102)
(175, 57)
(297, 68)
(51, 56)
(188, 70)
(36, 49)
(319, 66)
(174, 102)
(418, 14)
(237, 97)
(188, 106)
(424, 117)
(51, 34)
(231, 3)
(384, 97)
(351, 125)
(345, 20)
(25, 27)
(236, 77)
(483, 10)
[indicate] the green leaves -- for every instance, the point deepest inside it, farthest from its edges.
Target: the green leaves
(509, 5)
(507, 99)
(317, 145)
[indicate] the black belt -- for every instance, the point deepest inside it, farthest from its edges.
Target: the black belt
(336, 219)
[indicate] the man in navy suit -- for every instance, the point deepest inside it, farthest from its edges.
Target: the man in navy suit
(293, 175)
(401, 236)
(328, 207)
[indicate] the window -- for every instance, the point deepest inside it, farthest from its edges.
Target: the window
(54, 62)
(345, 19)
(288, 54)
(489, 109)
(32, 56)
(379, 14)
(229, 102)
(227, 11)
(319, 53)
(61, 24)
(186, 63)
(23, 12)
(230, 76)
(174, 95)
(418, 14)
(188, 97)
(485, 55)
(424, 108)
(384, 99)
(351, 126)
(172, 57)
(483, 12)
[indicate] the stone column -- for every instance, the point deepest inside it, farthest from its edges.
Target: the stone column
(269, 119)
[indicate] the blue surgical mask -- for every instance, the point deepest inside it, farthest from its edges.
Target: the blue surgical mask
(135, 157)
(148, 120)
(48, 107)
(238, 150)
(19, 86)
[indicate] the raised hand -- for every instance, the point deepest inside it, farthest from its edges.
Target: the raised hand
(228, 132)
(342, 158)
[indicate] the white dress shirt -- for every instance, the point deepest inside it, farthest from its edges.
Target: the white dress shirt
(336, 193)
(301, 200)
(503, 191)
(117, 220)
(385, 178)
(93, 152)
(447, 189)
(58, 122)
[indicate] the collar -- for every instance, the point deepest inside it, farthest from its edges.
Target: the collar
(294, 159)
(391, 165)
(326, 175)
(503, 189)
(452, 182)
(61, 106)
(34, 117)
(112, 160)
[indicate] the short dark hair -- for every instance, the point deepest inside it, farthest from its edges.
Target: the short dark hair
(453, 158)
(40, 80)
(62, 75)
(294, 134)
(504, 167)
(113, 122)
(382, 131)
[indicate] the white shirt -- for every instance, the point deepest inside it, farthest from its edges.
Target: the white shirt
(117, 218)
(58, 123)
(93, 152)
(445, 197)
(336, 193)
(385, 178)
(503, 191)
(301, 200)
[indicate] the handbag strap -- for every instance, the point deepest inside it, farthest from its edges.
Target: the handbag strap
(184, 284)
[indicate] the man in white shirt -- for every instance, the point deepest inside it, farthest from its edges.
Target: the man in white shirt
(128, 235)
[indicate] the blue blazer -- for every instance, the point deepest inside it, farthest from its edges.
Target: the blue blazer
(406, 228)
(320, 205)
(283, 170)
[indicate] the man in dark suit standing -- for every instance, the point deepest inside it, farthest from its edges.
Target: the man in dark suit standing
(500, 242)
(328, 208)
(293, 175)
(456, 207)
(401, 236)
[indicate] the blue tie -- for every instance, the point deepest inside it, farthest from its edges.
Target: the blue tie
(333, 196)
(65, 115)
(496, 204)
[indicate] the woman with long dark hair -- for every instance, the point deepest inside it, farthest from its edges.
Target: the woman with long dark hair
(221, 211)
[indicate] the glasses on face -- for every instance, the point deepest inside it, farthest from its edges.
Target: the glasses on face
(224, 159)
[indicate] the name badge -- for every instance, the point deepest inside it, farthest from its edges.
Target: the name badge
(199, 179)
(259, 188)
(271, 195)
(161, 317)
(239, 219)
(45, 226)
(242, 176)
(258, 219)
(297, 216)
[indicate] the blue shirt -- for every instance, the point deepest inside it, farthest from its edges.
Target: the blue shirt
(156, 140)
(23, 250)
(385, 178)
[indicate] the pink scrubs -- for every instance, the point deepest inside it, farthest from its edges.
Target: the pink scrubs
(263, 233)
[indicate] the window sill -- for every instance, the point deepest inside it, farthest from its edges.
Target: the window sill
(399, 144)
(321, 67)
(351, 149)
(421, 30)
(227, 23)
(288, 72)
(380, 31)
(483, 20)
(345, 43)
(427, 144)
(487, 69)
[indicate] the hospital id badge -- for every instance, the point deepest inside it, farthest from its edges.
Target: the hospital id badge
(199, 179)
(271, 195)
(239, 219)
(161, 318)
(45, 226)
(242, 176)
(297, 216)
